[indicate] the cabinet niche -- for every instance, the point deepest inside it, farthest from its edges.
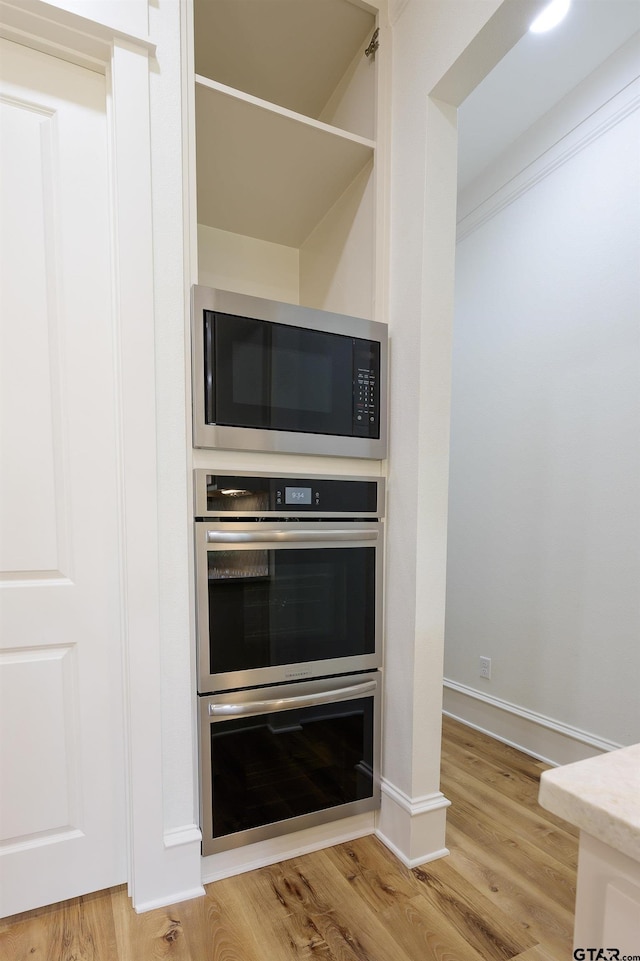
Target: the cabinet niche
(286, 111)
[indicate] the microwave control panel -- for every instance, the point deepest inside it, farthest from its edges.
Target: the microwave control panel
(366, 406)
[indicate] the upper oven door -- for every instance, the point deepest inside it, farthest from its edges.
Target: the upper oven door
(278, 602)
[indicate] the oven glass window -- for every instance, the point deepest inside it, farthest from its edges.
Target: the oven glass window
(285, 606)
(272, 767)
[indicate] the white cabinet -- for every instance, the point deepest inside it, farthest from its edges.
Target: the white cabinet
(600, 796)
(286, 113)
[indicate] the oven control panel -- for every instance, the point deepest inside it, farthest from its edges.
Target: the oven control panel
(297, 497)
(257, 495)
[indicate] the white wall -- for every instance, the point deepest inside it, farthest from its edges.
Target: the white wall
(544, 523)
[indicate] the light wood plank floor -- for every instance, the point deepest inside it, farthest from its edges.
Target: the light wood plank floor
(505, 892)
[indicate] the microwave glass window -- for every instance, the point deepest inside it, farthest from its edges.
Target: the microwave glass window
(301, 376)
(280, 378)
(284, 606)
(293, 380)
(272, 767)
(248, 375)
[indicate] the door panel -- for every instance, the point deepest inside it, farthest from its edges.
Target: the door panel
(46, 674)
(61, 748)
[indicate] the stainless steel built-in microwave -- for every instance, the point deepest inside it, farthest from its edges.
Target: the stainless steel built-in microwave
(270, 376)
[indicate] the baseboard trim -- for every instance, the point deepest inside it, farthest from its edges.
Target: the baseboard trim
(412, 828)
(181, 856)
(174, 898)
(411, 862)
(544, 738)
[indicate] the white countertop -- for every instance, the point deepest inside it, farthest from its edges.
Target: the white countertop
(601, 796)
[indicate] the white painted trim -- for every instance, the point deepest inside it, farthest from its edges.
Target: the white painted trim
(412, 828)
(157, 874)
(414, 806)
(611, 113)
(187, 895)
(54, 836)
(61, 30)
(187, 834)
(133, 269)
(545, 738)
(411, 862)
(190, 201)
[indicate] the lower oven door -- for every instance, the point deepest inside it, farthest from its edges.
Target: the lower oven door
(276, 760)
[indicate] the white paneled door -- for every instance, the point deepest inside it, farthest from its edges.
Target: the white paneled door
(62, 810)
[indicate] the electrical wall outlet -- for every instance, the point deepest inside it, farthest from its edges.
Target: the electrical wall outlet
(485, 667)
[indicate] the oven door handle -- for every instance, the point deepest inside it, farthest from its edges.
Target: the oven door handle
(285, 703)
(261, 537)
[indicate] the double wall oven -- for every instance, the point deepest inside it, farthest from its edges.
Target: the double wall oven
(289, 621)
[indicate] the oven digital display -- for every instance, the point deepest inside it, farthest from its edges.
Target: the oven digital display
(297, 495)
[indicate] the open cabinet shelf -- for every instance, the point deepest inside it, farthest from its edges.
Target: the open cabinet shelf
(294, 53)
(266, 172)
(286, 116)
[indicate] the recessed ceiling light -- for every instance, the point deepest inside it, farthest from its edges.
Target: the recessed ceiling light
(550, 16)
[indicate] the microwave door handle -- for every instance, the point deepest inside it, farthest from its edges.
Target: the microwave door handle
(285, 703)
(261, 537)
(209, 397)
